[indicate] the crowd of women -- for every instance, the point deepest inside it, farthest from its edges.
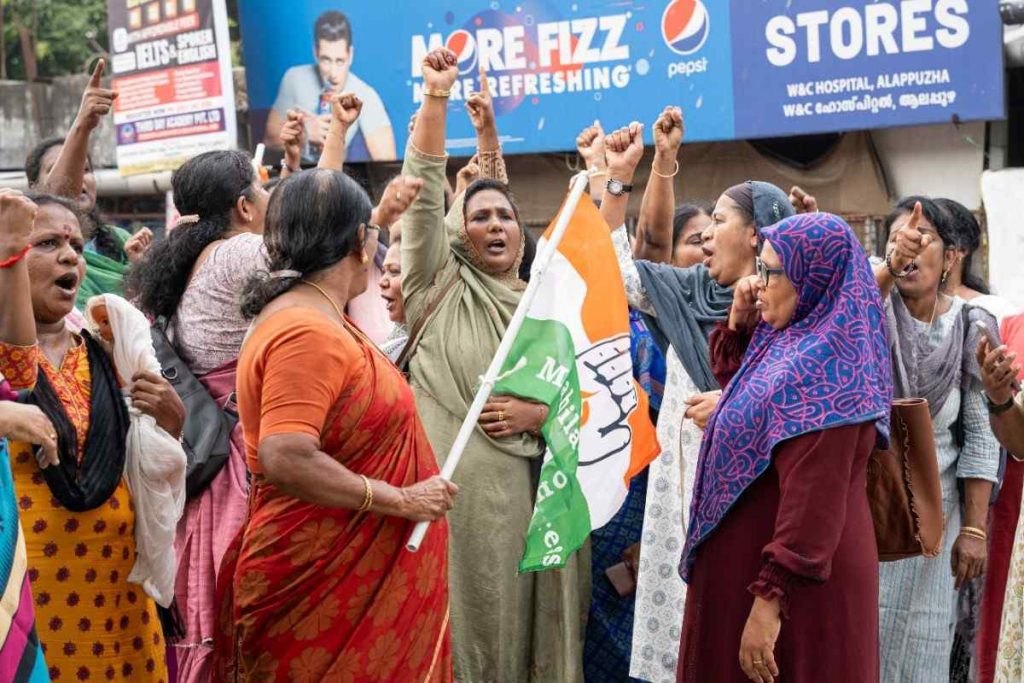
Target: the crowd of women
(319, 355)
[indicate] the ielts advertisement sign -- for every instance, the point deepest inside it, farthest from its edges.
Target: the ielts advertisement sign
(739, 69)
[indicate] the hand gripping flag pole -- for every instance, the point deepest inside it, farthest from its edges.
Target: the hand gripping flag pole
(579, 185)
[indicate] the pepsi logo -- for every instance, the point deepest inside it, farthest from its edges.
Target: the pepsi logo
(463, 44)
(685, 26)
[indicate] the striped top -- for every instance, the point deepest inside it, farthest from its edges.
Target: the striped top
(21, 657)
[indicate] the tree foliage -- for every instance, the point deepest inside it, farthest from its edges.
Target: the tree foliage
(68, 34)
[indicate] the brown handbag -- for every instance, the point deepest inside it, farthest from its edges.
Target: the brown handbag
(904, 492)
(624, 575)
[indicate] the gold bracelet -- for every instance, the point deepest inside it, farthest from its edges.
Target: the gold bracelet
(662, 175)
(443, 94)
(975, 532)
(367, 497)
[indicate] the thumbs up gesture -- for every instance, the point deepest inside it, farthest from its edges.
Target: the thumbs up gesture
(908, 242)
(97, 101)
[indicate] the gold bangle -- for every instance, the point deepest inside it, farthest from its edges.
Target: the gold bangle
(367, 496)
(662, 175)
(974, 531)
(443, 94)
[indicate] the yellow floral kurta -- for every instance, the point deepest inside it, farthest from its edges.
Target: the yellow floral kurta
(93, 624)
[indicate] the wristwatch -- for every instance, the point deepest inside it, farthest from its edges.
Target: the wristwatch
(998, 408)
(617, 188)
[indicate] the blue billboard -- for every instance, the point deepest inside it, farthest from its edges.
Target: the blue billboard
(739, 69)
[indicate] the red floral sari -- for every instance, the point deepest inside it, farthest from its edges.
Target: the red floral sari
(311, 593)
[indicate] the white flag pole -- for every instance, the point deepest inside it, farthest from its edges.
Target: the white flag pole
(579, 185)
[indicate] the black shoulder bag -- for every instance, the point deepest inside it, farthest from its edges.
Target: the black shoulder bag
(206, 436)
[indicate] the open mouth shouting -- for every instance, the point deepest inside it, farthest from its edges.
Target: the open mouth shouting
(708, 254)
(67, 285)
(496, 247)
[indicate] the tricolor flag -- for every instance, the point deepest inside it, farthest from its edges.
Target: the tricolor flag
(573, 354)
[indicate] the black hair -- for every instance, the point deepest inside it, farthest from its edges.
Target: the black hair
(929, 210)
(207, 185)
(46, 199)
(968, 232)
(34, 160)
(484, 184)
(332, 26)
(529, 254)
(684, 214)
(313, 222)
(92, 225)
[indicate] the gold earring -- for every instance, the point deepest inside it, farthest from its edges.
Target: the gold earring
(363, 258)
(945, 276)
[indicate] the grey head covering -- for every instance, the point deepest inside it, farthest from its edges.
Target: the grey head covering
(764, 201)
(689, 302)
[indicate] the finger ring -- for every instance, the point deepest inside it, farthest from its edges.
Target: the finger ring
(758, 661)
(501, 416)
(398, 195)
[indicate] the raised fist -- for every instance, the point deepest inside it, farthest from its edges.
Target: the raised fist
(138, 244)
(398, 196)
(623, 150)
(440, 69)
(293, 137)
(669, 130)
(17, 214)
(467, 175)
(345, 108)
(801, 201)
(590, 146)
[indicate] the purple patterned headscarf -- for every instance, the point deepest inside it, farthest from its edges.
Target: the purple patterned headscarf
(829, 368)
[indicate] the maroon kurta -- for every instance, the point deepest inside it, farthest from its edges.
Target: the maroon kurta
(803, 533)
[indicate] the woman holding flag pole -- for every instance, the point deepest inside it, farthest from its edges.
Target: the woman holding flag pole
(459, 285)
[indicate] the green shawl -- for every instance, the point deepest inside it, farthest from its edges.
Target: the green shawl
(103, 275)
(505, 626)
(468, 322)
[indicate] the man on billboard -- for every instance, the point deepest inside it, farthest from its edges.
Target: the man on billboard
(309, 88)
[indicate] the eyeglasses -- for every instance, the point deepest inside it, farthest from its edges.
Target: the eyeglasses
(765, 272)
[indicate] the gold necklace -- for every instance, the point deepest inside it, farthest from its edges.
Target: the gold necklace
(354, 331)
(330, 300)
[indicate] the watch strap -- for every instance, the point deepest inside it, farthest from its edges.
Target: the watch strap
(998, 408)
(617, 187)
